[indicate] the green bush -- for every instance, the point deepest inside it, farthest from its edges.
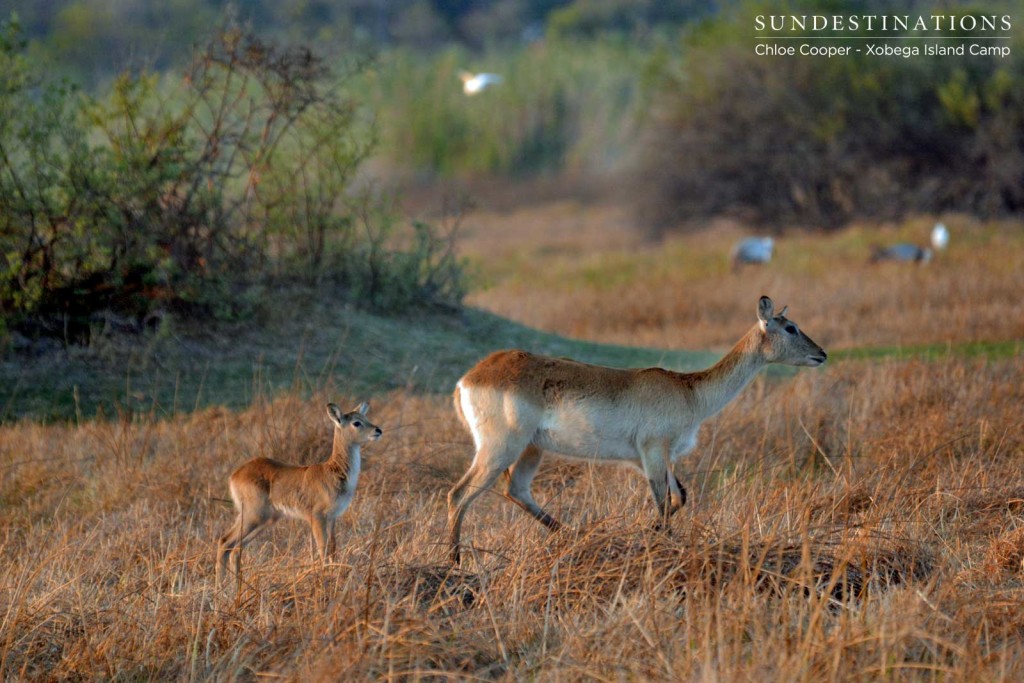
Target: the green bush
(591, 18)
(818, 142)
(563, 105)
(182, 193)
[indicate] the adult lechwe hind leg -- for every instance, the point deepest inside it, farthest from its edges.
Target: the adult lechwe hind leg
(490, 461)
(517, 489)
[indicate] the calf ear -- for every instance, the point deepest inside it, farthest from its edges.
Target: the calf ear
(363, 408)
(765, 309)
(334, 412)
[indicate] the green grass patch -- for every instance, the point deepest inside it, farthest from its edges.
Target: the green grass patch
(313, 346)
(937, 351)
(348, 351)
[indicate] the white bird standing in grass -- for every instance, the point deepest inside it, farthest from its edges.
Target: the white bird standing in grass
(475, 83)
(752, 250)
(940, 237)
(908, 253)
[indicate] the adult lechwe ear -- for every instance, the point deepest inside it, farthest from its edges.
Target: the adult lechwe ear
(765, 310)
(363, 408)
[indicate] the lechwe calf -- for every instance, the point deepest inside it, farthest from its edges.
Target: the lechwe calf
(516, 403)
(265, 490)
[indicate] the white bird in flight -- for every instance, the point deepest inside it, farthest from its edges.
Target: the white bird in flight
(475, 83)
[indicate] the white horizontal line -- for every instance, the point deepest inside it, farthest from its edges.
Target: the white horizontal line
(883, 37)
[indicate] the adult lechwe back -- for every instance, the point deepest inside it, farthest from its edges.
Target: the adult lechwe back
(516, 403)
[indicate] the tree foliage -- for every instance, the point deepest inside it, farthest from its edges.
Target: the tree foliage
(818, 141)
(187, 194)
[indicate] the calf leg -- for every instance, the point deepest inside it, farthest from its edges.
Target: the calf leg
(321, 535)
(235, 539)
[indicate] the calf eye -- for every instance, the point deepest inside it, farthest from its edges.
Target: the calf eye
(790, 328)
(357, 424)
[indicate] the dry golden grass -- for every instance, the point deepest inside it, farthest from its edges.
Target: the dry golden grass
(862, 521)
(580, 270)
(858, 522)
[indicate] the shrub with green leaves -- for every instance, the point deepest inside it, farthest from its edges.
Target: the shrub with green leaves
(818, 142)
(181, 193)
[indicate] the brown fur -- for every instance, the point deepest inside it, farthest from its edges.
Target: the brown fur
(264, 490)
(516, 403)
(541, 378)
(544, 380)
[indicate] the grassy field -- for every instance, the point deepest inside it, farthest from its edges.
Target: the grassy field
(579, 270)
(861, 521)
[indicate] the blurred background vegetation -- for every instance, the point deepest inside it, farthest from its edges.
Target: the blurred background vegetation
(181, 157)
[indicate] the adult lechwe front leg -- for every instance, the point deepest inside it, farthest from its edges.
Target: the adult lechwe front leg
(665, 489)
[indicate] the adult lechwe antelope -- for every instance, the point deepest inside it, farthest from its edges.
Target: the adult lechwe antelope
(516, 403)
(265, 490)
